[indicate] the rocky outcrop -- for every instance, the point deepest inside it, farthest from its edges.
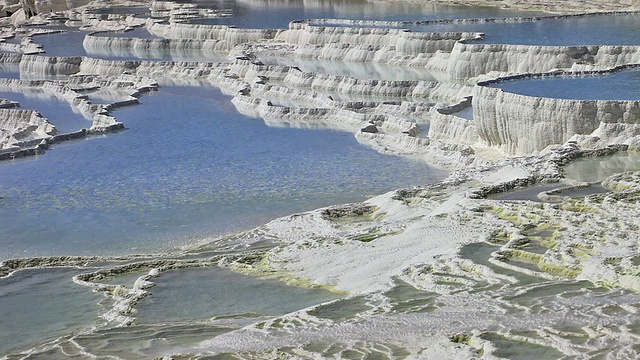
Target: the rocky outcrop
(394, 46)
(21, 127)
(414, 111)
(330, 118)
(29, 8)
(452, 129)
(176, 12)
(107, 67)
(10, 58)
(108, 22)
(416, 90)
(27, 133)
(26, 46)
(435, 152)
(286, 96)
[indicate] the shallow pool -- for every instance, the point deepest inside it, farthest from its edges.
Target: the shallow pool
(623, 85)
(43, 304)
(620, 29)
(57, 110)
(276, 14)
(202, 294)
(187, 166)
(599, 168)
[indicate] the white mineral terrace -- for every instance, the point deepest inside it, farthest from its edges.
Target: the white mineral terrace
(520, 125)
(438, 271)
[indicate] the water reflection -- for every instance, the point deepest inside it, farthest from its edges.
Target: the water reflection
(276, 14)
(162, 54)
(528, 193)
(599, 168)
(68, 43)
(56, 109)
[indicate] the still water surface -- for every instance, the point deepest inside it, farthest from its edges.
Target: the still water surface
(622, 29)
(43, 304)
(57, 110)
(599, 168)
(624, 85)
(276, 14)
(187, 166)
(187, 295)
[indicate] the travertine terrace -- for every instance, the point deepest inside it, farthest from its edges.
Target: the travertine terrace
(446, 270)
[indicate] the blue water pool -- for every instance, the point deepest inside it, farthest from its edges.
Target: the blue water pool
(187, 166)
(624, 85)
(57, 110)
(621, 29)
(277, 14)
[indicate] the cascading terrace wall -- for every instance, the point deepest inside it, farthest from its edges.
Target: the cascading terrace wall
(522, 125)
(403, 41)
(468, 60)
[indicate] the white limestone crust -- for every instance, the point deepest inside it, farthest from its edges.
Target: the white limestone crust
(468, 60)
(18, 127)
(523, 125)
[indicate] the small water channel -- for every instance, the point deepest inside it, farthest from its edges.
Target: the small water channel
(480, 253)
(528, 193)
